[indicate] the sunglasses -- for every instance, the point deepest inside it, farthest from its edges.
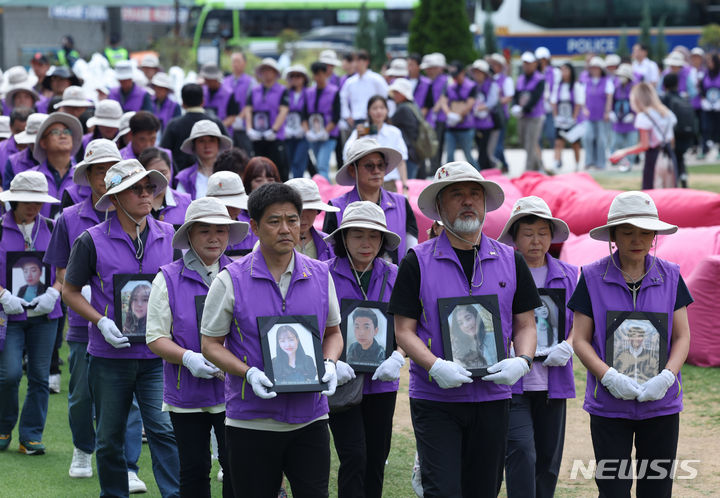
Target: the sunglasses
(138, 189)
(370, 166)
(57, 132)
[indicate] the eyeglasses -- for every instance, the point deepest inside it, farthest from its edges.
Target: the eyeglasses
(138, 189)
(57, 132)
(370, 166)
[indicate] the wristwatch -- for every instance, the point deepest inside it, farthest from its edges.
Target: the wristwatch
(331, 361)
(528, 359)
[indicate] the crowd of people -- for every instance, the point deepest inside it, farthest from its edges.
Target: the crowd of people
(203, 304)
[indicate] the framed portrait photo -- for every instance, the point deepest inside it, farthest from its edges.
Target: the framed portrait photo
(27, 276)
(549, 321)
(292, 353)
(472, 332)
(636, 343)
(261, 120)
(368, 335)
(131, 292)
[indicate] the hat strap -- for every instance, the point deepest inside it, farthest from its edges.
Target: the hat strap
(622, 217)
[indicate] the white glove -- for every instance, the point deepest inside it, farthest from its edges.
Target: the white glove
(344, 372)
(86, 292)
(311, 136)
(481, 113)
(508, 371)
(45, 302)
(260, 383)
(559, 355)
(516, 111)
(453, 118)
(448, 374)
(706, 105)
(198, 365)
(269, 135)
(612, 117)
(112, 334)
(330, 377)
(620, 385)
(323, 136)
(629, 118)
(12, 305)
(254, 135)
(655, 388)
(389, 370)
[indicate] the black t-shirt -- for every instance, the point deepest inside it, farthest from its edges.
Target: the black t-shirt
(405, 299)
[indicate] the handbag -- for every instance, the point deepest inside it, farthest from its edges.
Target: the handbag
(348, 395)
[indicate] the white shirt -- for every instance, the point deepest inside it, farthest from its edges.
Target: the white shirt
(201, 183)
(648, 69)
(661, 131)
(561, 96)
(357, 91)
(508, 86)
(387, 136)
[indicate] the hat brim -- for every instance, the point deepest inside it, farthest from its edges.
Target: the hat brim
(409, 96)
(110, 123)
(238, 201)
(10, 196)
(11, 93)
(274, 68)
(105, 201)
(238, 230)
(392, 240)
(392, 157)
(561, 231)
(660, 227)
(72, 103)
(5, 134)
(25, 138)
(330, 61)
(59, 117)
(494, 195)
(80, 171)
(396, 74)
(188, 147)
(121, 133)
(320, 206)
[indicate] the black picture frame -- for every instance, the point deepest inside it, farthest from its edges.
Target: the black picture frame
(554, 331)
(638, 360)
(236, 254)
(478, 355)
(304, 379)
(16, 277)
(199, 307)
(362, 359)
(124, 285)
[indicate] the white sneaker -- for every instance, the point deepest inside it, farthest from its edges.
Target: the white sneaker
(54, 383)
(81, 465)
(135, 485)
(220, 475)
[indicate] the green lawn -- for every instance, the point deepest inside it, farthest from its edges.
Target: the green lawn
(701, 177)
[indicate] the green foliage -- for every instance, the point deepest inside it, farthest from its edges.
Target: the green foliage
(174, 51)
(710, 37)
(645, 26)
(286, 38)
(448, 31)
(490, 42)
(661, 46)
(378, 56)
(418, 35)
(623, 49)
(364, 35)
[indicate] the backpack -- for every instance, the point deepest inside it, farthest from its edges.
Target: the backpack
(426, 144)
(685, 114)
(666, 168)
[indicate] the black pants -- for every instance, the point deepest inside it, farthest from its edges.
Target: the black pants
(258, 460)
(682, 144)
(436, 161)
(55, 359)
(536, 433)
(192, 434)
(461, 446)
(241, 141)
(481, 142)
(362, 437)
(648, 179)
(712, 126)
(275, 151)
(655, 439)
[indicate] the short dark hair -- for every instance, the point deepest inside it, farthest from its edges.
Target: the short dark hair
(269, 194)
(151, 154)
(362, 54)
(365, 313)
(348, 56)
(192, 95)
(233, 159)
(529, 220)
(318, 67)
(19, 114)
(259, 166)
(415, 57)
(144, 121)
(670, 82)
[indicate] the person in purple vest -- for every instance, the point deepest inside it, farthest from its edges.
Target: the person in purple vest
(622, 410)
(166, 107)
(287, 432)
(218, 100)
(150, 66)
(599, 90)
(296, 121)
(205, 143)
(323, 107)
(228, 188)
(536, 430)
(74, 102)
(143, 128)
(169, 205)
(57, 79)
(330, 59)
(20, 93)
(498, 64)
(132, 97)
(460, 422)
(529, 108)
(675, 63)
(18, 120)
(420, 84)
(240, 84)
(622, 115)
(312, 242)
(362, 433)
(697, 72)
(457, 104)
(194, 388)
(131, 242)
(32, 317)
(552, 77)
(365, 168)
(567, 100)
(487, 96)
(23, 159)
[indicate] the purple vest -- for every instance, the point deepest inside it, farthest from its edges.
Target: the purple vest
(296, 102)
(256, 295)
(609, 292)
(7, 148)
(481, 96)
(181, 388)
(442, 276)
(324, 250)
(421, 90)
(250, 239)
(217, 102)
(22, 161)
(43, 104)
(166, 110)
(269, 102)
(175, 215)
(116, 254)
(133, 101)
(549, 75)
(336, 80)
(500, 80)
(462, 93)
(78, 193)
(621, 107)
(239, 87)
(54, 190)
(128, 153)
(437, 86)
(324, 106)
(561, 383)
(595, 98)
(525, 84)
(187, 178)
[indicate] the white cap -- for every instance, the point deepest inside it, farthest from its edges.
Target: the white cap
(528, 57)
(398, 68)
(542, 53)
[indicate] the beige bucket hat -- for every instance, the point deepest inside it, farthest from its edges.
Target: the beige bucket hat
(366, 214)
(398, 68)
(675, 59)
(97, 152)
(17, 80)
(34, 122)
(533, 205)
(481, 65)
(361, 148)
(436, 59)
(213, 212)
(211, 72)
(5, 130)
(73, 96)
(403, 87)
(634, 208)
(107, 113)
(125, 174)
(162, 80)
(205, 128)
(124, 127)
(329, 57)
(123, 70)
(625, 71)
(59, 117)
(297, 69)
(228, 188)
(310, 194)
(28, 186)
(150, 60)
(612, 60)
(499, 59)
(268, 62)
(596, 62)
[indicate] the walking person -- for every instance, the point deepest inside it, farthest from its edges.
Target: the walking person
(323, 107)
(498, 64)
(205, 143)
(168, 205)
(487, 95)
(529, 108)
(567, 101)
(228, 188)
(434, 66)
(296, 122)
(622, 115)
(458, 106)
(599, 89)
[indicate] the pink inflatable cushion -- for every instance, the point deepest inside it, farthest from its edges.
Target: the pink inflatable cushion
(702, 314)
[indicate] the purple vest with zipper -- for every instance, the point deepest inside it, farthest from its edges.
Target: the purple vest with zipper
(7, 148)
(561, 383)
(250, 239)
(218, 101)
(442, 276)
(421, 90)
(116, 254)
(437, 86)
(175, 215)
(166, 110)
(324, 106)
(462, 93)
(238, 87)
(269, 102)
(346, 287)
(621, 107)
(595, 98)
(133, 101)
(525, 84)
(53, 189)
(483, 91)
(256, 295)
(609, 292)
(22, 161)
(181, 388)
(187, 178)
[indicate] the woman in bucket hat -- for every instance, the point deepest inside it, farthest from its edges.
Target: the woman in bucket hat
(228, 188)
(630, 280)
(169, 205)
(536, 429)
(166, 107)
(205, 143)
(312, 243)
(362, 433)
(296, 121)
(25, 229)
(194, 388)
(105, 122)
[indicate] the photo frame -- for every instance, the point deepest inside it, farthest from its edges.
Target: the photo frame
(261, 120)
(293, 125)
(368, 334)
(199, 307)
(27, 276)
(316, 122)
(472, 332)
(130, 294)
(281, 337)
(636, 343)
(549, 321)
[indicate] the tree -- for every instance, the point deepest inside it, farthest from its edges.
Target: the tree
(490, 42)
(448, 31)
(645, 26)
(364, 34)
(378, 55)
(623, 50)
(661, 46)
(710, 37)
(417, 38)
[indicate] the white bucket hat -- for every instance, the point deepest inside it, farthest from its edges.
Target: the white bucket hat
(398, 68)
(205, 128)
(436, 59)
(456, 172)
(162, 80)
(528, 57)
(310, 194)
(97, 152)
(403, 87)
(542, 53)
(481, 65)
(637, 209)
(228, 188)
(150, 60)
(499, 59)
(675, 59)
(697, 51)
(34, 122)
(366, 214)
(5, 130)
(297, 69)
(268, 62)
(123, 70)
(125, 174)
(28, 186)
(73, 96)
(211, 72)
(23, 86)
(107, 113)
(533, 205)
(612, 60)
(59, 117)
(124, 127)
(213, 212)
(361, 148)
(625, 71)
(329, 57)
(596, 62)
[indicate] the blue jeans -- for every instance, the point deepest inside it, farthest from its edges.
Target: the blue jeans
(548, 130)
(112, 385)
(297, 155)
(500, 147)
(463, 139)
(322, 151)
(595, 142)
(37, 336)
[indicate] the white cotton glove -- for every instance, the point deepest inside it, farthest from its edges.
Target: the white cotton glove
(311, 136)
(344, 372)
(620, 385)
(112, 334)
(86, 292)
(389, 370)
(629, 118)
(507, 371)
(612, 117)
(260, 383)
(453, 118)
(12, 305)
(198, 365)
(323, 136)
(254, 135)
(655, 388)
(706, 105)
(269, 135)
(448, 374)
(330, 377)
(559, 355)
(45, 302)
(516, 111)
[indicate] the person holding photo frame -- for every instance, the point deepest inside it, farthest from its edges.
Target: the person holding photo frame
(536, 431)
(362, 433)
(312, 241)
(622, 411)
